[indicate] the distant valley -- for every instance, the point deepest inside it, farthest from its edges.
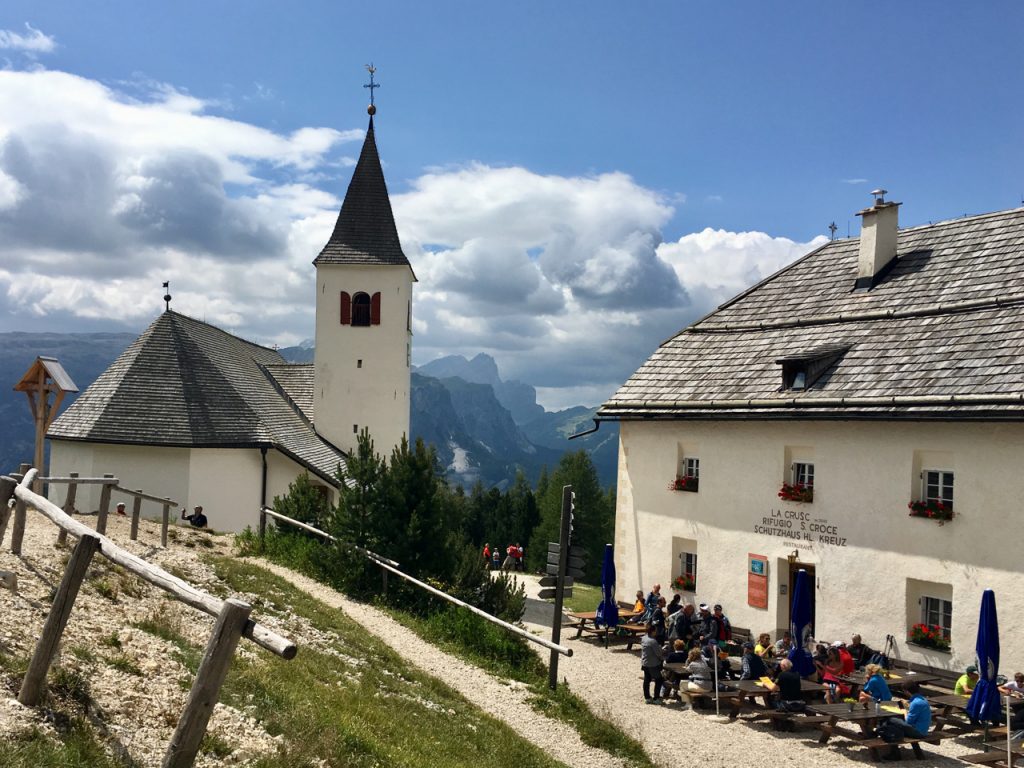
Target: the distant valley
(485, 429)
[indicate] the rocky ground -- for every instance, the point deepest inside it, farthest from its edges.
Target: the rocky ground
(139, 682)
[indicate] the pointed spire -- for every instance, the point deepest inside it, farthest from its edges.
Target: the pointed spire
(365, 232)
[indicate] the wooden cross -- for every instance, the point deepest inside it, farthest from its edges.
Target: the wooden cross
(46, 375)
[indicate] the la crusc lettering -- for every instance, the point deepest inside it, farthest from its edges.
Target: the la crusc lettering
(797, 524)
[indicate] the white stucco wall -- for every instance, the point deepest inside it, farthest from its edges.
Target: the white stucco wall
(225, 481)
(375, 393)
(865, 474)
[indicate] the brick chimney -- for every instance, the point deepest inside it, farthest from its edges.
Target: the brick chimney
(877, 241)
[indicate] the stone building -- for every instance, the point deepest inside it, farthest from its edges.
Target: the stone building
(798, 424)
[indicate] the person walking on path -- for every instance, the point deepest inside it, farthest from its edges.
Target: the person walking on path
(652, 659)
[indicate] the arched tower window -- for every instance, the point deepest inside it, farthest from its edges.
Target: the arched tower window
(361, 309)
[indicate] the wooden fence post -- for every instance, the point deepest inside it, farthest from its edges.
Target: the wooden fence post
(384, 581)
(136, 511)
(18, 529)
(34, 684)
(164, 524)
(6, 492)
(69, 508)
(181, 752)
(101, 518)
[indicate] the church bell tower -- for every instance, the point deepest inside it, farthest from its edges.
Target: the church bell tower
(363, 315)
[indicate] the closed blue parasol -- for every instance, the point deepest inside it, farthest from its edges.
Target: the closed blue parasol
(800, 626)
(608, 610)
(984, 702)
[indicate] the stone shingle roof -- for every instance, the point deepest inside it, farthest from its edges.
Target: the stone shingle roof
(941, 336)
(186, 383)
(365, 232)
(296, 383)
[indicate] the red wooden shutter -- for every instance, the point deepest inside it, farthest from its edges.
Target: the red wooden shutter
(375, 309)
(346, 309)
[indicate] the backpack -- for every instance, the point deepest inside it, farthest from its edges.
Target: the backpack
(881, 660)
(889, 732)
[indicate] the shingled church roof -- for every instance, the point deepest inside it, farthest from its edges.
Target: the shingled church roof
(940, 337)
(365, 232)
(186, 383)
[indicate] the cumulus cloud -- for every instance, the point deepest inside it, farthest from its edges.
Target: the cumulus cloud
(32, 41)
(714, 265)
(105, 193)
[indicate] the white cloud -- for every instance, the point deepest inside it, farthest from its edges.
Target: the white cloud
(714, 265)
(32, 42)
(565, 280)
(854, 181)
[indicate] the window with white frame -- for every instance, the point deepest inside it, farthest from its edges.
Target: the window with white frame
(936, 612)
(803, 474)
(688, 570)
(691, 468)
(937, 485)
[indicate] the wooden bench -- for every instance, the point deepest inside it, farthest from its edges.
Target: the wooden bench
(798, 719)
(873, 745)
(993, 757)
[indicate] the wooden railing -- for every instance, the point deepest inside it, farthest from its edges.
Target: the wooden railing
(233, 621)
(391, 566)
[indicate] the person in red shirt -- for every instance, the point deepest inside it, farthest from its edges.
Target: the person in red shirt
(846, 659)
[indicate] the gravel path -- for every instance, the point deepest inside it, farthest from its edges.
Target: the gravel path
(505, 700)
(685, 737)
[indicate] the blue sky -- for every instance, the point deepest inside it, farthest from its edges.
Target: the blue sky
(654, 159)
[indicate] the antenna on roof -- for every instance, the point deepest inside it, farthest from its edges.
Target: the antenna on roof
(167, 296)
(832, 231)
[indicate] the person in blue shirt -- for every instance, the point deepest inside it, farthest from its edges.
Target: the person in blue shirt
(918, 721)
(875, 689)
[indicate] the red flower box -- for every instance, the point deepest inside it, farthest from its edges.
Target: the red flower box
(929, 637)
(797, 492)
(685, 483)
(933, 510)
(685, 583)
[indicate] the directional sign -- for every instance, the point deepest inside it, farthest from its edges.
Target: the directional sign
(551, 569)
(552, 581)
(554, 548)
(549, 594)
(574, 562)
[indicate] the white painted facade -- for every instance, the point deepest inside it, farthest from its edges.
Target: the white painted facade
(226, 482)
(362, 373)
(872, 562)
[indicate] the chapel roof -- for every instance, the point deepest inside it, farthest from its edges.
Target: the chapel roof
(186, 383)
(365, 232)
(941, 336)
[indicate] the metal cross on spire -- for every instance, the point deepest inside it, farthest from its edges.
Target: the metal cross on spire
(371, 85)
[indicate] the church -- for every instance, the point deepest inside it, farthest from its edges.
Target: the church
(196, 414)
(860, 416)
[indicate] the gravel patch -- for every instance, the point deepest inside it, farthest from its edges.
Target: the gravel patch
(610, 681)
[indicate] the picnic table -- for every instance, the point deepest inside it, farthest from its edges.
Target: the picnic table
(750, 690)
(950, 707)
(580, 619)
(866, 718)
(894, 681)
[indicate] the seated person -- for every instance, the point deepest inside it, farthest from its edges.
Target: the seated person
(830, 671)
(753, 665)
(1015, 687)
(764, 647)
(639, 607)
(784, 644)
(677, 656)
(845, 658)
(965, 685)
(675, 605)
(875, 689)
(787, 688)
(197, 519)
(918, 720)
(860, 652)
(713, 653)
(701, 676)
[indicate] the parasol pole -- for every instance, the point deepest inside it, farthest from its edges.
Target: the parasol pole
(1009, 749)
(718, 712)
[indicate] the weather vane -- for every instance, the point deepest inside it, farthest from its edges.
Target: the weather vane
(371, 85)
(167, 296)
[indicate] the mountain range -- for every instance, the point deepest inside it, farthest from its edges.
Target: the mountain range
(484, 429)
